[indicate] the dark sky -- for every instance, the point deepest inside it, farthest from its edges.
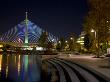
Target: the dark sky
(59, 17)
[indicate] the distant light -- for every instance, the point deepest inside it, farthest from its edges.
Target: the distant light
(19, 65)
(39, 48)
(27, 48)
(52, 40)
(71, 38)
(30, 48)
(1, 45)
(25, 62)
(0, 62)
(59, 41)
(92, 30)
(66, 41)
(82, 37)
(82, 43)
(107, 21)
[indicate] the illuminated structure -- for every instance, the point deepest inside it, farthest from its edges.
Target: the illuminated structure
(26, 29)
(25, 33)
(80, 40)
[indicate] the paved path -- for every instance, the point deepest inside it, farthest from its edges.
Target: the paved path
(73, 71)
(101, 65)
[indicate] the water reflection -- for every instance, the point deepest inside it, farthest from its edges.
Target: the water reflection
(0, 62)
(20, 68)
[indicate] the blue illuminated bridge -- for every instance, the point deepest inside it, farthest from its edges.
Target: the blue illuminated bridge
(26, 30)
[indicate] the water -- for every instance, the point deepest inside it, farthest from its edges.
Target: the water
(20, 68)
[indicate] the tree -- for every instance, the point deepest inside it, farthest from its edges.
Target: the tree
(71, 41)
(49, 46)
(98, 18)
(58, 46)
(61, 44)
(98, 15)
(87, 41)
(43, 40)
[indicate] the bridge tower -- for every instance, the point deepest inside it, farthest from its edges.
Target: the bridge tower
(26, 30)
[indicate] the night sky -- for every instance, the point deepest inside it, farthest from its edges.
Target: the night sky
(59, 17)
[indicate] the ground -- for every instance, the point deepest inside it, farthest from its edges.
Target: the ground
(101, 65)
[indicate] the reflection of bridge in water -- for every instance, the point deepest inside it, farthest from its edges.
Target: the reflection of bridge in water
(23, 34)
(20, 68)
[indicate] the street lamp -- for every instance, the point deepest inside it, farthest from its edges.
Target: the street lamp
(66, 41)
(71, 38)
(92, 30)
(108, 26)
(59, 41)
(52, 40)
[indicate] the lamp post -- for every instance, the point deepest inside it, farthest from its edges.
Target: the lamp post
(66, 41)
(71, 44)
(71, 38)
(93, 31)
(96, 45)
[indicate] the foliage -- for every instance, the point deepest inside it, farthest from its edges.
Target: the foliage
(43, 40)
(49, 45)
(87, 41)
(61, 44)
(71, 41)
(58, 47)
(98, 18)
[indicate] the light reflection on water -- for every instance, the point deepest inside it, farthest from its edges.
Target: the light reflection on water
(0, 62)
(20, 68)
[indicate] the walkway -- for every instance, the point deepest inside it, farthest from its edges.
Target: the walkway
(101, 65)
(62, 70)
